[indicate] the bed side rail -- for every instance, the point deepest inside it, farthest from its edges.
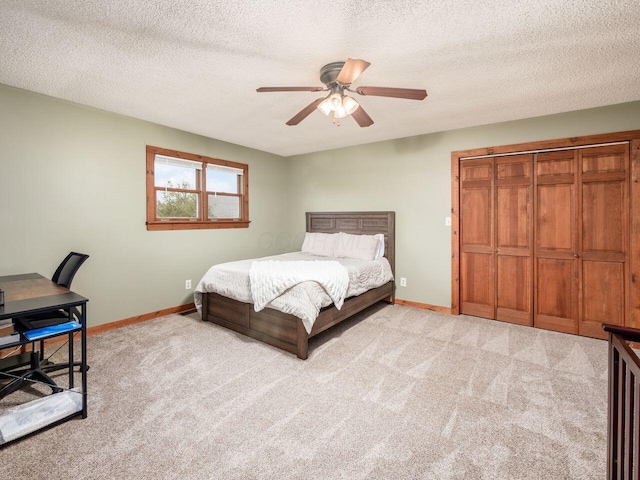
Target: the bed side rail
(623, 434)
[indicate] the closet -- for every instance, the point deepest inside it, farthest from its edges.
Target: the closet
(543, 233)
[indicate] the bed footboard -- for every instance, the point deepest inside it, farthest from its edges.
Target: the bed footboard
(269, 326)
(623, 435)
(281, 329)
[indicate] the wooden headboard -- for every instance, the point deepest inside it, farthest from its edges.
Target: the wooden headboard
(359, 223)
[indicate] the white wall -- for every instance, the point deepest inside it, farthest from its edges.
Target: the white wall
(73, 178)
(412, 176)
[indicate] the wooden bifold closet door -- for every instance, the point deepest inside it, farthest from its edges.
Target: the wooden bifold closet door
(544, 238)
(496, 248)
(582, 239)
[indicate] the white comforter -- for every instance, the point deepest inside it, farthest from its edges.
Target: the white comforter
(271, 278)
(303, 300)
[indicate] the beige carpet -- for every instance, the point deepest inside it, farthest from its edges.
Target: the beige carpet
(395, 393)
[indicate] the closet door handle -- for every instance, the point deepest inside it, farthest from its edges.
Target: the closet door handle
(575, 255)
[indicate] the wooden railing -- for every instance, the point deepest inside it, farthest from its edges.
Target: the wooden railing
(623, 435)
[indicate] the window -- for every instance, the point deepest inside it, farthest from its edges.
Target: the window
(186, 191)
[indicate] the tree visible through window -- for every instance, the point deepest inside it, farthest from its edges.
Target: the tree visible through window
(176, 204)
(193, 191)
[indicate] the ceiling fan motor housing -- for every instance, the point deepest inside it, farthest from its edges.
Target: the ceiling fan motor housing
(329, 73)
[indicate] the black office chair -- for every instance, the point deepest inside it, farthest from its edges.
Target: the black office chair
(63, 276)
(67, 269)
(39, 367)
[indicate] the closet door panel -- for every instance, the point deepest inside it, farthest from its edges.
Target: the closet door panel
(556, 295)
(477, 292)
(603, 292)
(554, 220)
(609, 159)
(514, 267)
(477, 272)
(603, 216)
(476, 226)
(514, 289)
(513, 217)
(605, 238)
(556, 268)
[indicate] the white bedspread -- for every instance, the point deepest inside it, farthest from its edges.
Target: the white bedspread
(303, 300)
(271, 278)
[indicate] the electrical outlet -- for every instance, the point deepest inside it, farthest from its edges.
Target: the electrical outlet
(403, 282)
(187, 285)
(447, 221)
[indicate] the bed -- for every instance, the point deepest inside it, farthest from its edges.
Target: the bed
(287, 331)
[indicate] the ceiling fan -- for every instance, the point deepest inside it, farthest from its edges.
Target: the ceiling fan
(338, 77)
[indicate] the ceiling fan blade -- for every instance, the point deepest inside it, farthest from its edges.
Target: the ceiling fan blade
(360, 116)
(351, 70)
(290, 89)
(408, 93)
(302, 114)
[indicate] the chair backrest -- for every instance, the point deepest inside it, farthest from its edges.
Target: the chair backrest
(67, 270)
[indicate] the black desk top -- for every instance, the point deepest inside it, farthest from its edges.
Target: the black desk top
(32, 293)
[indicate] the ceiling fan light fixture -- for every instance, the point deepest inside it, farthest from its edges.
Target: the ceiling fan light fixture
(325, 106)
(349, 104)
(340, 105)
(336, 99)
(340, 112)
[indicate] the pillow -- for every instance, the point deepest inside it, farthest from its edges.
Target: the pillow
(362, 247)
(380, 251)
(322, 244)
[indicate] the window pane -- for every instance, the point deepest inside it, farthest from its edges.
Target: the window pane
(222, 206)
(217, 181)
(177, 205)
(175, 176)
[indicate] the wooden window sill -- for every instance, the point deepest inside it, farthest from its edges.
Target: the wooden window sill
(177, 225)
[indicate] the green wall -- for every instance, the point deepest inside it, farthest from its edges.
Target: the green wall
(412, 176)
(73, 178)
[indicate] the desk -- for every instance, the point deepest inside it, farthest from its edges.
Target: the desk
(31, 293)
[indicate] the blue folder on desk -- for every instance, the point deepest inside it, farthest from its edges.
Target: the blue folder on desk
(38, 333)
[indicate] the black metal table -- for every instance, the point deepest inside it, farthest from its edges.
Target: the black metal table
(31, 293)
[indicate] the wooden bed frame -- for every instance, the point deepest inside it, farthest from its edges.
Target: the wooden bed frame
(286, 331)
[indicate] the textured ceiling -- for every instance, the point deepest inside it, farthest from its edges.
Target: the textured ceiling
(195, 65)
